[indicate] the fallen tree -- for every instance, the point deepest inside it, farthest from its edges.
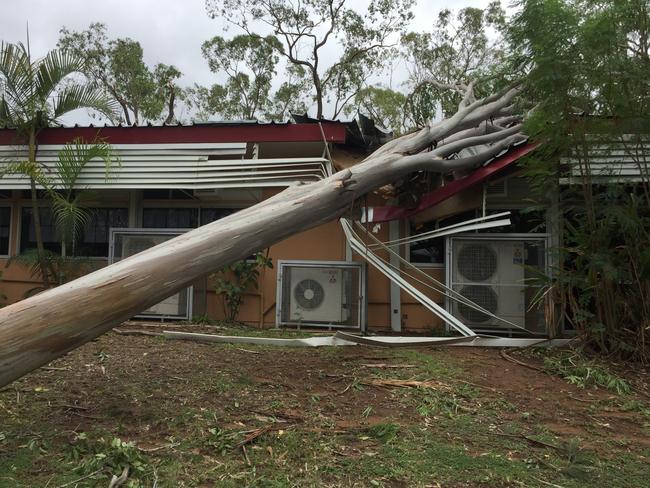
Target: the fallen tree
(41, 328)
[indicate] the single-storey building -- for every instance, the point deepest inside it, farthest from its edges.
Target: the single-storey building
(174, 178)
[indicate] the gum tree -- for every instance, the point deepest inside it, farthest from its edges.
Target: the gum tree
(89, 306)
(307, 29)
(116, 66)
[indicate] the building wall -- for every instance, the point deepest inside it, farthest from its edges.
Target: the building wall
(323, 243)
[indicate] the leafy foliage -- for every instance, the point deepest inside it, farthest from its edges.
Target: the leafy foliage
(581, 372)
(235, 279)
(114, 454)
(463, 47)
(244, 95)
(306, 29)
(60, 268)
(586, 64)
(116, 66)
(383, 105)
(34, 94)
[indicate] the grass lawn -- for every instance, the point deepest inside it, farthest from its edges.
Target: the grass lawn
(187, 414)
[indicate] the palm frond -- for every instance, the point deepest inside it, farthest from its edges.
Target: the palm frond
(29, 169)
(69, 218)
(76, 96)
(75, 156)
(53, 68)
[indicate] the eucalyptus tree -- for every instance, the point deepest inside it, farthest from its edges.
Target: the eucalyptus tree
(117, 67)
(463, 46)
(307, 29)
(249, 65)
(384, 106)
(94, 304)
(35, 94)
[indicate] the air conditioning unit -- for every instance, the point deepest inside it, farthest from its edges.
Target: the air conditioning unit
(317, 295)
(320, 293)
(490, 274)
(126, 243)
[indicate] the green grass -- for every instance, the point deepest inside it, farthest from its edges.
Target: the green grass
(457, 435)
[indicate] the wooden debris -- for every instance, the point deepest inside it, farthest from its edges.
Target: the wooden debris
(395, 383)
(386, 365)
(117, 481)
(76, 482)
(255, 434)
(129, 332)
(508, 357)
(247, 350)
(159, 448)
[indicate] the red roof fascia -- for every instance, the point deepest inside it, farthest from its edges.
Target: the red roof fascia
(334, 132)
(387, 213)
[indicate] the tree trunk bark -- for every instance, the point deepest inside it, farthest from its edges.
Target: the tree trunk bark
(46, 326)
(40, 248)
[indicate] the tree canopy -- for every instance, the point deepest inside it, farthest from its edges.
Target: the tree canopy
(306, 29)
(117, 66)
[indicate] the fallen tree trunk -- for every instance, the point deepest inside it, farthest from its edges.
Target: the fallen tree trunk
(41, 328)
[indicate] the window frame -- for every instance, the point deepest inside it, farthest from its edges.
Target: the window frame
(11, 233)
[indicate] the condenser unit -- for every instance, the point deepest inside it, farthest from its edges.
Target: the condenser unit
(320, 293)
(490, 274)
(130, 241)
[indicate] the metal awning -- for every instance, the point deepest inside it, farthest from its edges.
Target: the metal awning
(189, 166)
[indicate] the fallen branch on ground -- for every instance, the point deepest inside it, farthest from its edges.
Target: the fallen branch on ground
(432, 384)
(75, 482)
(130, 332)
(384, 365)
(118, 481)
(508, 357)
(159, 448)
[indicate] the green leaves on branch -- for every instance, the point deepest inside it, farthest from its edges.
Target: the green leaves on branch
(463, 47)
(249, 65)
(117, 68)
(586, 66)
(305, 29)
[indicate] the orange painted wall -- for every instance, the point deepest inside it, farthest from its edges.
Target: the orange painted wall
(323, 243)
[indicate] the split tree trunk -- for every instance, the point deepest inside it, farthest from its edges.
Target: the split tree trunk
(39, 329)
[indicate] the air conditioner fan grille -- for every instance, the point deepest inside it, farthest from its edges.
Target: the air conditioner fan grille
(477, 262)
(309, 294)
(481, 295)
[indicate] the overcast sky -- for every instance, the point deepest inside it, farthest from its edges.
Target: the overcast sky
(170, 31)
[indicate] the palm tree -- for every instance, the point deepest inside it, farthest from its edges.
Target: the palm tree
(69, 211)
(33, 96)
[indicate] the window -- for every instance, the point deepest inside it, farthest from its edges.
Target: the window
(94, 239)
(432, 251)
(166, 194)
(211, 214)
(5, 226)
(170, 218)
(181, 218)
(48, 230)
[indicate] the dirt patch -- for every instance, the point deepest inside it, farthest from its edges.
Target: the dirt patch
(159, 393)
